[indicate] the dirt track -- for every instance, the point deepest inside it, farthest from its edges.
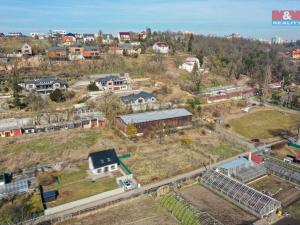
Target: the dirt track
(288, 197)
(140, 211)
(217, 206)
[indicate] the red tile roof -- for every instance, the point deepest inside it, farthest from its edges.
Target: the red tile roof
(257, 159)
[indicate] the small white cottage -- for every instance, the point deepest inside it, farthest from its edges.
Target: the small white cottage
(103, 161)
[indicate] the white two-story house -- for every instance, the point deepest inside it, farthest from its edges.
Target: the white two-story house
(116, 82)
(88, 38)
(141, 101)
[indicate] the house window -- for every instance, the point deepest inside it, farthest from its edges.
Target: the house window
(99, 170)
(113, 167)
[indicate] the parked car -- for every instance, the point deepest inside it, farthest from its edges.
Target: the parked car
(127, 184)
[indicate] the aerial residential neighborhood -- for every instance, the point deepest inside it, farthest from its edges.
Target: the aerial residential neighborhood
(149, 113)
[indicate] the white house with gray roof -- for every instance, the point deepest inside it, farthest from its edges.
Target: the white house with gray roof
(140, 101)
(107, 39)
(45, 85)
(114, 82)
(88, 38)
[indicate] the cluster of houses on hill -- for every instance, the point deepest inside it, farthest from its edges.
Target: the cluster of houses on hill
(121, 83)
(73, 52)
(74, 46)
(79, 51)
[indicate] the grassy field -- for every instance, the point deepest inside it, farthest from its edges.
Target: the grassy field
(74, 185)
(284, 150)
(13, 44)
(152, 161)
(55, 146)
(264, 124)
(139, 211)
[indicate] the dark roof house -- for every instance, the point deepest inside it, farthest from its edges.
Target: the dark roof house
(57, 49)
(70, 34)
(104, 80)
(46, 80)
(103, 158)
(88, 35)
(133, 97)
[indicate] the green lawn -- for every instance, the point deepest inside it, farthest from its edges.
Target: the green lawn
(75, 185)
(82, 189)
(264, 124)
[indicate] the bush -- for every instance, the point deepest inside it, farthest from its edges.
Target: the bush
(57, 96)
(92, 87)
(186, 141)
(131, 130)
(227, 125)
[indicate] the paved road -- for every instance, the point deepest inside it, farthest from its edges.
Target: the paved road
(83, 201)
(136, 192)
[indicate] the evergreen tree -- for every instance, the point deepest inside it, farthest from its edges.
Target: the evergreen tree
(190, 43)
(92, 87)
(57, 96)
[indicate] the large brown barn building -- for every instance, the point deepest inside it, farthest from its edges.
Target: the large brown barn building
(151, 121)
